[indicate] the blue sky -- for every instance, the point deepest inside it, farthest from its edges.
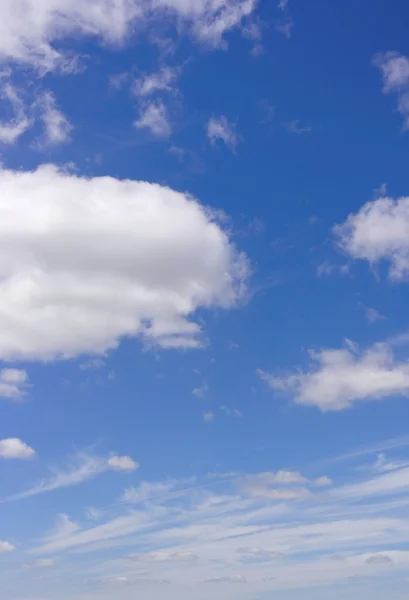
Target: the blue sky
(204, 260)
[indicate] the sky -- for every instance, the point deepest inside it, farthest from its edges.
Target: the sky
(204, 261)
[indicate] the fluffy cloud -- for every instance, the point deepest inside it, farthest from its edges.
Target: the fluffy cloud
(88, 261)
(160, 81)
(13, 383)
(6, 547)
(30, 30)
(379, 231)
(394, 68)
(339, 378)
(154, 117)
(19, 122)
(220, 128)
(122, 463)
(57, 128)
(15, 448)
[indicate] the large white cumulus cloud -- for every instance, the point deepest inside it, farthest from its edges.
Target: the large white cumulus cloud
(84, 262)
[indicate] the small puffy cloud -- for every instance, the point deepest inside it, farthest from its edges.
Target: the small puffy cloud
(230, 412)
(221, 129)
(154, 117)
(40, 563)
(6, 547)
(295, 127)
(337, 379)
(14, 448)
(88, 261)
(394, 69)
(285, 27)
(260, 485)
(379, 231)
(372, 315)
(162, 80)
(57, 128)
(201, 391)
(122, 463)
(379, 559)
(13, 383)
(208, 416)
(18, 122)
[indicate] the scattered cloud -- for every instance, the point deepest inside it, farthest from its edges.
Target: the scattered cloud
(40, 563)
(221, 129)
(81, 468)
(201, 391)
(208, 416)
(6, 547)
(155, 118)
(57, 128)
(164, 556)
(231, 412)
(25, 38)
(233, 579)
(295, 127)
(394, 68)
(122, 463)
(162, 80)
(14, 448)
(261, 553)
(19, 122)
(286, 27)
(13, 383)
(323, 481)
(379, 559)
(337, 379)
(134, 267)
(379, 231)
(372, 315)
(93, 364)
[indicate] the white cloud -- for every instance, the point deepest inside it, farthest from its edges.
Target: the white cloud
(40, 563)
(200, 392)
(208, 416)
(379, 231)
(81, 468)
(123, 463)
(323, 481)
(339, 378)
(372, 315)
(220, 128)
(154, 117)
(295, 127)
(90, 261)
(160, 81)
(30, 31)
(230, 412)
(13, 128)
(13, 383)
(286, 28)
(261, 552)
(15, 448)
(57, 128)
(394, 68)
(6, 547)
(164, 556)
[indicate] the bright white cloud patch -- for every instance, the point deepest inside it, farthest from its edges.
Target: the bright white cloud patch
(18, 122)
(31, 29)
(154, 117)
(57, 128)
(394, 68)
(221, 129)
(339, 378)
(6, 547)
(13, 383)
(379, 231)
(160, 81)
(15, 448)
(122, 463)
(41, 563)
(88, 261)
